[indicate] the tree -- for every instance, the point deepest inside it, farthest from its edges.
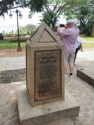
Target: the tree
(86, 17)
(28, 29)
(85, 14)
(54, 8)
(6, 5)
(37, 5)
(52, 11)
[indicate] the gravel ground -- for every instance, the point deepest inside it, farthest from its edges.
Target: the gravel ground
(13, 69)
(82, 92)
(9, 76)
(12, 52)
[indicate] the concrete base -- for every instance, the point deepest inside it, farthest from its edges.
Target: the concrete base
(63, 121)
(46, 113)
(83, 74)
(19, 49)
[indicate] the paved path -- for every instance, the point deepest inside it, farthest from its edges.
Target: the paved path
(10, 63)
(86, 41)
(86, 55)
(85, 62)
(82, 92)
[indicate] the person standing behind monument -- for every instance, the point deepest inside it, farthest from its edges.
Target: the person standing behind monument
(69, 37)
(78, 47)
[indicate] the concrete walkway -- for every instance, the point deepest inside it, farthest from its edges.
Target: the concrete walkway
(86, 55)
(85, 41)
(10, 63)
(83, 92)
(85, 62)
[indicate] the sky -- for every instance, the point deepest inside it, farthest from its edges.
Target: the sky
(9, 24)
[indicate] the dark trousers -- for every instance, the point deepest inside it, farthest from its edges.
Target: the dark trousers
(77, 49)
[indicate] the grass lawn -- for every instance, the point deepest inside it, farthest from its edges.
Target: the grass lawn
(87, 45)
(9, 44)
(5, 44)
(88, 38)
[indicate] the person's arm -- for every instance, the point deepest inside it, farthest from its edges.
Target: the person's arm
(64, 33)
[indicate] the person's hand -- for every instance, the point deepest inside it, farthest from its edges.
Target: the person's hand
(66, 26)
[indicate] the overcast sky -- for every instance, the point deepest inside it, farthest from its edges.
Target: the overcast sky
(8, 23)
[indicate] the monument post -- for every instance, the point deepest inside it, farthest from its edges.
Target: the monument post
(45, 67)
(44, 100)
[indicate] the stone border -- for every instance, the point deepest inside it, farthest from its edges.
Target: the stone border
(81, 74)
(45, 113)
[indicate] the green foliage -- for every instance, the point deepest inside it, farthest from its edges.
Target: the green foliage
(52, 11)
(91, 39)
(88, 45)
(86, 17)
(50, 18)
(7, 44)
(83, 10)
(28, 29)
(84, 13)
(54, 8)
(37, 5)
(5, 5)
(34, 5)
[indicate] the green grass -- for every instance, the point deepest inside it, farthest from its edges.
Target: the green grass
(9, 44)
(87, 45)
(5, 44)
(88, 38)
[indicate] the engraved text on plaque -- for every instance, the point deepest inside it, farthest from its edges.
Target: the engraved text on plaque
(47, 74)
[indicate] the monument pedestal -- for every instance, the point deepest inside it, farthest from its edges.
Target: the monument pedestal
(45, 67)
(46, 114)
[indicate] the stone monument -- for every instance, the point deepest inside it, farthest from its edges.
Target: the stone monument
(45, 67)
(43, 100)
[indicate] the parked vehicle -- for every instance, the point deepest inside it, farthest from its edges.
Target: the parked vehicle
(1, 36)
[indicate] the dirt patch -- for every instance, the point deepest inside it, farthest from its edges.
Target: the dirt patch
(9, 76)
(12, 52)
(12, 75)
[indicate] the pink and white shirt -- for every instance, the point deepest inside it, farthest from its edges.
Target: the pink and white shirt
(69, 37)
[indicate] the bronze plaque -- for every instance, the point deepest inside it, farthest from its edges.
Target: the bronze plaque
(47, 83)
